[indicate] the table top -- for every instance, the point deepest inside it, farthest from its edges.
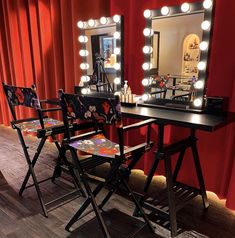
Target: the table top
(201, 121)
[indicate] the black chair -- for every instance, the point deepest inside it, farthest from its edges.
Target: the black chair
(102, 109)
(43, 127)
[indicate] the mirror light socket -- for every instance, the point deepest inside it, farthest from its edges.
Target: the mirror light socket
(146, 66)
(85, 78)
(205, 25)
(203, 45)
(116, 18)
(145, 82)
(165, 10)
(91, 23)
(103, 20)
(145, 97)
(83, 39)
(117, 80)
(117, 35)
(185, 7)
(201, 65)
(81, 24)
(207, 4)
(84, 66)
(199, 84)
(147, 49)
(197, 102)
(83, 53)
(117, 66)
(147, 13)
(117, 51)
(148, 32)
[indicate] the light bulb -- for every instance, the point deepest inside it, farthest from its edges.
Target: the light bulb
(103, 20)
(145, 82)
(185, 7)
(83, 39)
(117, 51)
(83, 53)
(201, 65)
(117, 66)
(203, 45)
(147, 13)
(165, 10)
(146, 66)
(199, 84)
(205, 25)
(207, 4)
(117, 35)
(145, 97)
(91, 23)
(197, 102)
(85, 78)
(85, 91)
(84, 66)
(147, 49)
(117, 80)
(80, 24)
(116, 18)
(148, 32)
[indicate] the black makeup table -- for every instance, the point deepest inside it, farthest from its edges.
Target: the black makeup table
(176, 194)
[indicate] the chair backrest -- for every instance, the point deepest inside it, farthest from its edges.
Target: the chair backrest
(21, 96)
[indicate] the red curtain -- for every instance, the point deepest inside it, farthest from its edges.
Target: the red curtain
(38, 44)
(216, 149)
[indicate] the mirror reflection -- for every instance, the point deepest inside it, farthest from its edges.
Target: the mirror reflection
(176, 53)
(101, 52)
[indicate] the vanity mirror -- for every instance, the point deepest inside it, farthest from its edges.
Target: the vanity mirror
(177, 43)
(102, 54)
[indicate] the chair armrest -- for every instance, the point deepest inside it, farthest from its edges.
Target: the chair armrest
(51, 109)
(139, 124)
(25, 120)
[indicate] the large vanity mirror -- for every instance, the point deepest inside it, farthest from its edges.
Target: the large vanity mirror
(177, 42)
(102, 54)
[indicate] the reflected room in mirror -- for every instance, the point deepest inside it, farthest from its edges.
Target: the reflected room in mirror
(102, 54)
(177, 43)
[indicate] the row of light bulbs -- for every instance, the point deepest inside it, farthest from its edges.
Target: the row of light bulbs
(83, 39)
(147, 49)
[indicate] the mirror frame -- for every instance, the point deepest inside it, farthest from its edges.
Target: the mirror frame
(173, 11)
(103, 22)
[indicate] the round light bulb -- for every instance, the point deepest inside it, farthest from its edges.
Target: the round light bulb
(147, 49)
(148, 32)
(117, 51)
(85, 78)
(146, 66)
(185, 7)
(145, 97)
(84, 66)
(201, 65)
(103, 20)
(199, 84)
(117, 66)
(203, 45)
(80, 24)
(207, 4)
(83, 39)
(83, 53)
(117, 80)
(85, 91)
(205, 25)
(91, 23)
(116, 18)
(197, 102)
(165, 10)
(147, 13)
(145, 82)
(117, 35)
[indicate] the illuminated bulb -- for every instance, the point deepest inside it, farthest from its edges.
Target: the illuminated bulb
(103, 20)
(80, 24)
(165, 10)
(85, 91)
(207, 4)
(83, 39)
(116, 18)
(197, 102)
(83, 53)
(117, 51)
(145, 82)
(146, 66)
(148, 32)
(203, 45)
(91, 23)
(199, 84)
(117, 35)
(85, 78)
(145, 97)
(201, 65)
(147, 49)
(205, 25)
(117, 80)
(84, 66)
(147, 13)
(185, 7)
(117, 66)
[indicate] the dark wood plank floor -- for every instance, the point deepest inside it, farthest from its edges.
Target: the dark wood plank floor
(22, 216)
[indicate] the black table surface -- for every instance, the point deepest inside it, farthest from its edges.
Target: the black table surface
(201, 121)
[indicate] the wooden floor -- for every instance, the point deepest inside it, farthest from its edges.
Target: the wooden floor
(22, 216)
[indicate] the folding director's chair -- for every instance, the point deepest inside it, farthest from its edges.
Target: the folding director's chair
(102, 109)
(44, 127)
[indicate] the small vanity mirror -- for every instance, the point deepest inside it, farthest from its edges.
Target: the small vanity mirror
(102, 54)
(177, 42)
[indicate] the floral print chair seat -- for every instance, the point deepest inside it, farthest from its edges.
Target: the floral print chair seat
(102, 109)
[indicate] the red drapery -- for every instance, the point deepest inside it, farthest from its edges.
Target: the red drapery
(52, 62)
